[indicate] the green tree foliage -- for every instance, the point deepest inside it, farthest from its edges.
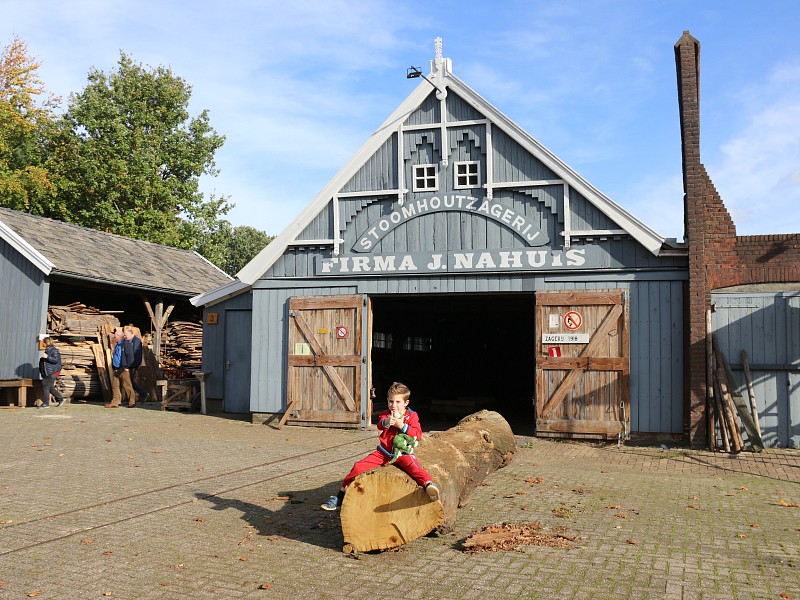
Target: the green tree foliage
(26, 123)
(244, 244)
(131, 157)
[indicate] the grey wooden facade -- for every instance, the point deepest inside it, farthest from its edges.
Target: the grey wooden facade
(766, 324)
(370, 233)
(22, 313)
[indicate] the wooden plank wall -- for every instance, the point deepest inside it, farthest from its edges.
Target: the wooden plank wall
(767, 326)
(214, 341)
(22, 314)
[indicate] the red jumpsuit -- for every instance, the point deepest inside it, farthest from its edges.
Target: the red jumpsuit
(385, 451)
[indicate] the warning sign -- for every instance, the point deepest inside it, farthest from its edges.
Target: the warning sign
(554, 352)
(573, 320)
(341, 332)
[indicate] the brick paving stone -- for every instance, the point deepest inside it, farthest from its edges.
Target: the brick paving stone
(148, 504)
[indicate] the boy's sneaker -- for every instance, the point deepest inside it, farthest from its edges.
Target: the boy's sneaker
(59, 402)
(44, 406)
(432, 490)
(331, 504)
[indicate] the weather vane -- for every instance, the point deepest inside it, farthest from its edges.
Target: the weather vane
(437, 44)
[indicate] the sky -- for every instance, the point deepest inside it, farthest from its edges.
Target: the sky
(297, 87)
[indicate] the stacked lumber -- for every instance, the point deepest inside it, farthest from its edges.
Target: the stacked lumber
(77, 319)
(728, 408)
(182, 345)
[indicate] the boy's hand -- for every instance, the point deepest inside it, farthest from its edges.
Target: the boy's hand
(396, 420)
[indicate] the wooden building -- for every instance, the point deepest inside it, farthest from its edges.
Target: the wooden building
(46, 262)
(456, 253)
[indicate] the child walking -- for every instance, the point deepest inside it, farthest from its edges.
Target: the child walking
(398, 419)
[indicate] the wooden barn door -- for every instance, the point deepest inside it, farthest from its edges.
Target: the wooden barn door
(324, 379)
(582, 363)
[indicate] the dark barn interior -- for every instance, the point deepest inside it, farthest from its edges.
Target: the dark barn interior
(458, 354)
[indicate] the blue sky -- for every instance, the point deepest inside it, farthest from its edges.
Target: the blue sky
(298, 86)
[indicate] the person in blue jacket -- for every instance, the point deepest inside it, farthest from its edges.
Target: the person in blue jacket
(134, 347)
(50, 369)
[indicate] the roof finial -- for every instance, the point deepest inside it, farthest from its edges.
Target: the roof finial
(437, 44)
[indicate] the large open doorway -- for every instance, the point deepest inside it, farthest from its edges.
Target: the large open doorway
(458, 354)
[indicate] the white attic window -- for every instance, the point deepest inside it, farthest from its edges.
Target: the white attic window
(467, 175)
(426, 178)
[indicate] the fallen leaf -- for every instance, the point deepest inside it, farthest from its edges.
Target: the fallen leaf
(621, 516)
(526, 507)
(108, 593)
(34, 594)
(200, 520)
(783, 503)
(742, 535)
(47, 438)
(155, 451)
(87, 541)
(784, 595)
(278, 498)
(483, 484)
(522, 492)
(695, 498)
(614, 506)
(244, 559)
(754, 525)
(265, 586)
(691, 506)
(744, 489)
(109, 440)
(6, 522)
(632, 542)
(166, 583)
(108, 553)
(618, 527)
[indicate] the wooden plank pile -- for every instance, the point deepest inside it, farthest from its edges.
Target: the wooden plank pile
(182, 346)
(77, 319)
(79, 378)
(728, 412)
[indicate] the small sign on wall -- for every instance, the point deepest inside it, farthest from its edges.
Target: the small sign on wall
(565, 338)
(212, 318)
(555, 321)
(302, 349)
(341, 332)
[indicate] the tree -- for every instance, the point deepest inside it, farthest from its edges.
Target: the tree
(245, 243)
(27, 120)
(131, 157)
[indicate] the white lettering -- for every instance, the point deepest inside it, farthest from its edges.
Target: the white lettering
(393, 219)
(449, 201)
(372, 233)
(343, 267)
(436, 262)
(484, 207)
(556, 259)
(507, 215)
(407, 264)
(530, 238)
(384, 263)
(365, 243)
(536, 257)
(472, 203)
(463, 261)
(506, 259)
(485, 261)
(496, 210)
(422, 205)
(328, 264)
(575, 257)
(435, 203)
(409, 210)
(518, 223)
(360, 263)
(383, 225)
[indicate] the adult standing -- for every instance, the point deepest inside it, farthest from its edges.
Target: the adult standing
(50, 369)
(120, 361)
(136, 361)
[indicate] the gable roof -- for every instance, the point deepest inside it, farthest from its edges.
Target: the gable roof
(72, 251)
(440, 77)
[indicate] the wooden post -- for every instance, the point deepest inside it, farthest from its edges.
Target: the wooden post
(712, 441)
(721, 418)
(751, 391)
(159, 319)
(385, 508)
(730, 410)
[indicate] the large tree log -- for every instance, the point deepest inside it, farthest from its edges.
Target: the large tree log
(385, 508)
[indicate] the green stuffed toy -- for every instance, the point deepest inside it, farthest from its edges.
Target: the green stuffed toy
(403, 444)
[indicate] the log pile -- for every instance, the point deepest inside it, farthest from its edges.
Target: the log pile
(385, 508)
(79, 377)
(728, 411)
(77, 319)
(182, 346)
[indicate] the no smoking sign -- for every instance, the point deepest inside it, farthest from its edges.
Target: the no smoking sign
(573, 320)
(341, 332)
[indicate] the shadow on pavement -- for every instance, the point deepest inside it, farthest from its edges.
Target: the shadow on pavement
(294, 515)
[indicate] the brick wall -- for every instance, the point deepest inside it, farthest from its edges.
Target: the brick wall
(717, 256)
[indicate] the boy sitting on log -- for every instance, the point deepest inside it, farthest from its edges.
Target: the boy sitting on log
(399, 419)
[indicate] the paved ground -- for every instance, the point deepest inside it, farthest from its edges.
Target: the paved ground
(138, 503)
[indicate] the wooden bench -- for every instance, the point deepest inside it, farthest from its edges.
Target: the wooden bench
(22, 386)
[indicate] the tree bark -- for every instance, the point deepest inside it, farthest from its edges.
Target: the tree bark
(385, 508)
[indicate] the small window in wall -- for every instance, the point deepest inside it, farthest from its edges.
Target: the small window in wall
(381, 340)
(426, 178)
(467, 175)
(421, 344)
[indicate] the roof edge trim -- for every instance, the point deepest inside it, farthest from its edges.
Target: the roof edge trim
(220, 293)
(20, 245)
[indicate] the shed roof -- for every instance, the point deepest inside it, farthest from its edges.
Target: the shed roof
(72, 251)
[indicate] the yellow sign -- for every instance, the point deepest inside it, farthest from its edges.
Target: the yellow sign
(323, 330)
